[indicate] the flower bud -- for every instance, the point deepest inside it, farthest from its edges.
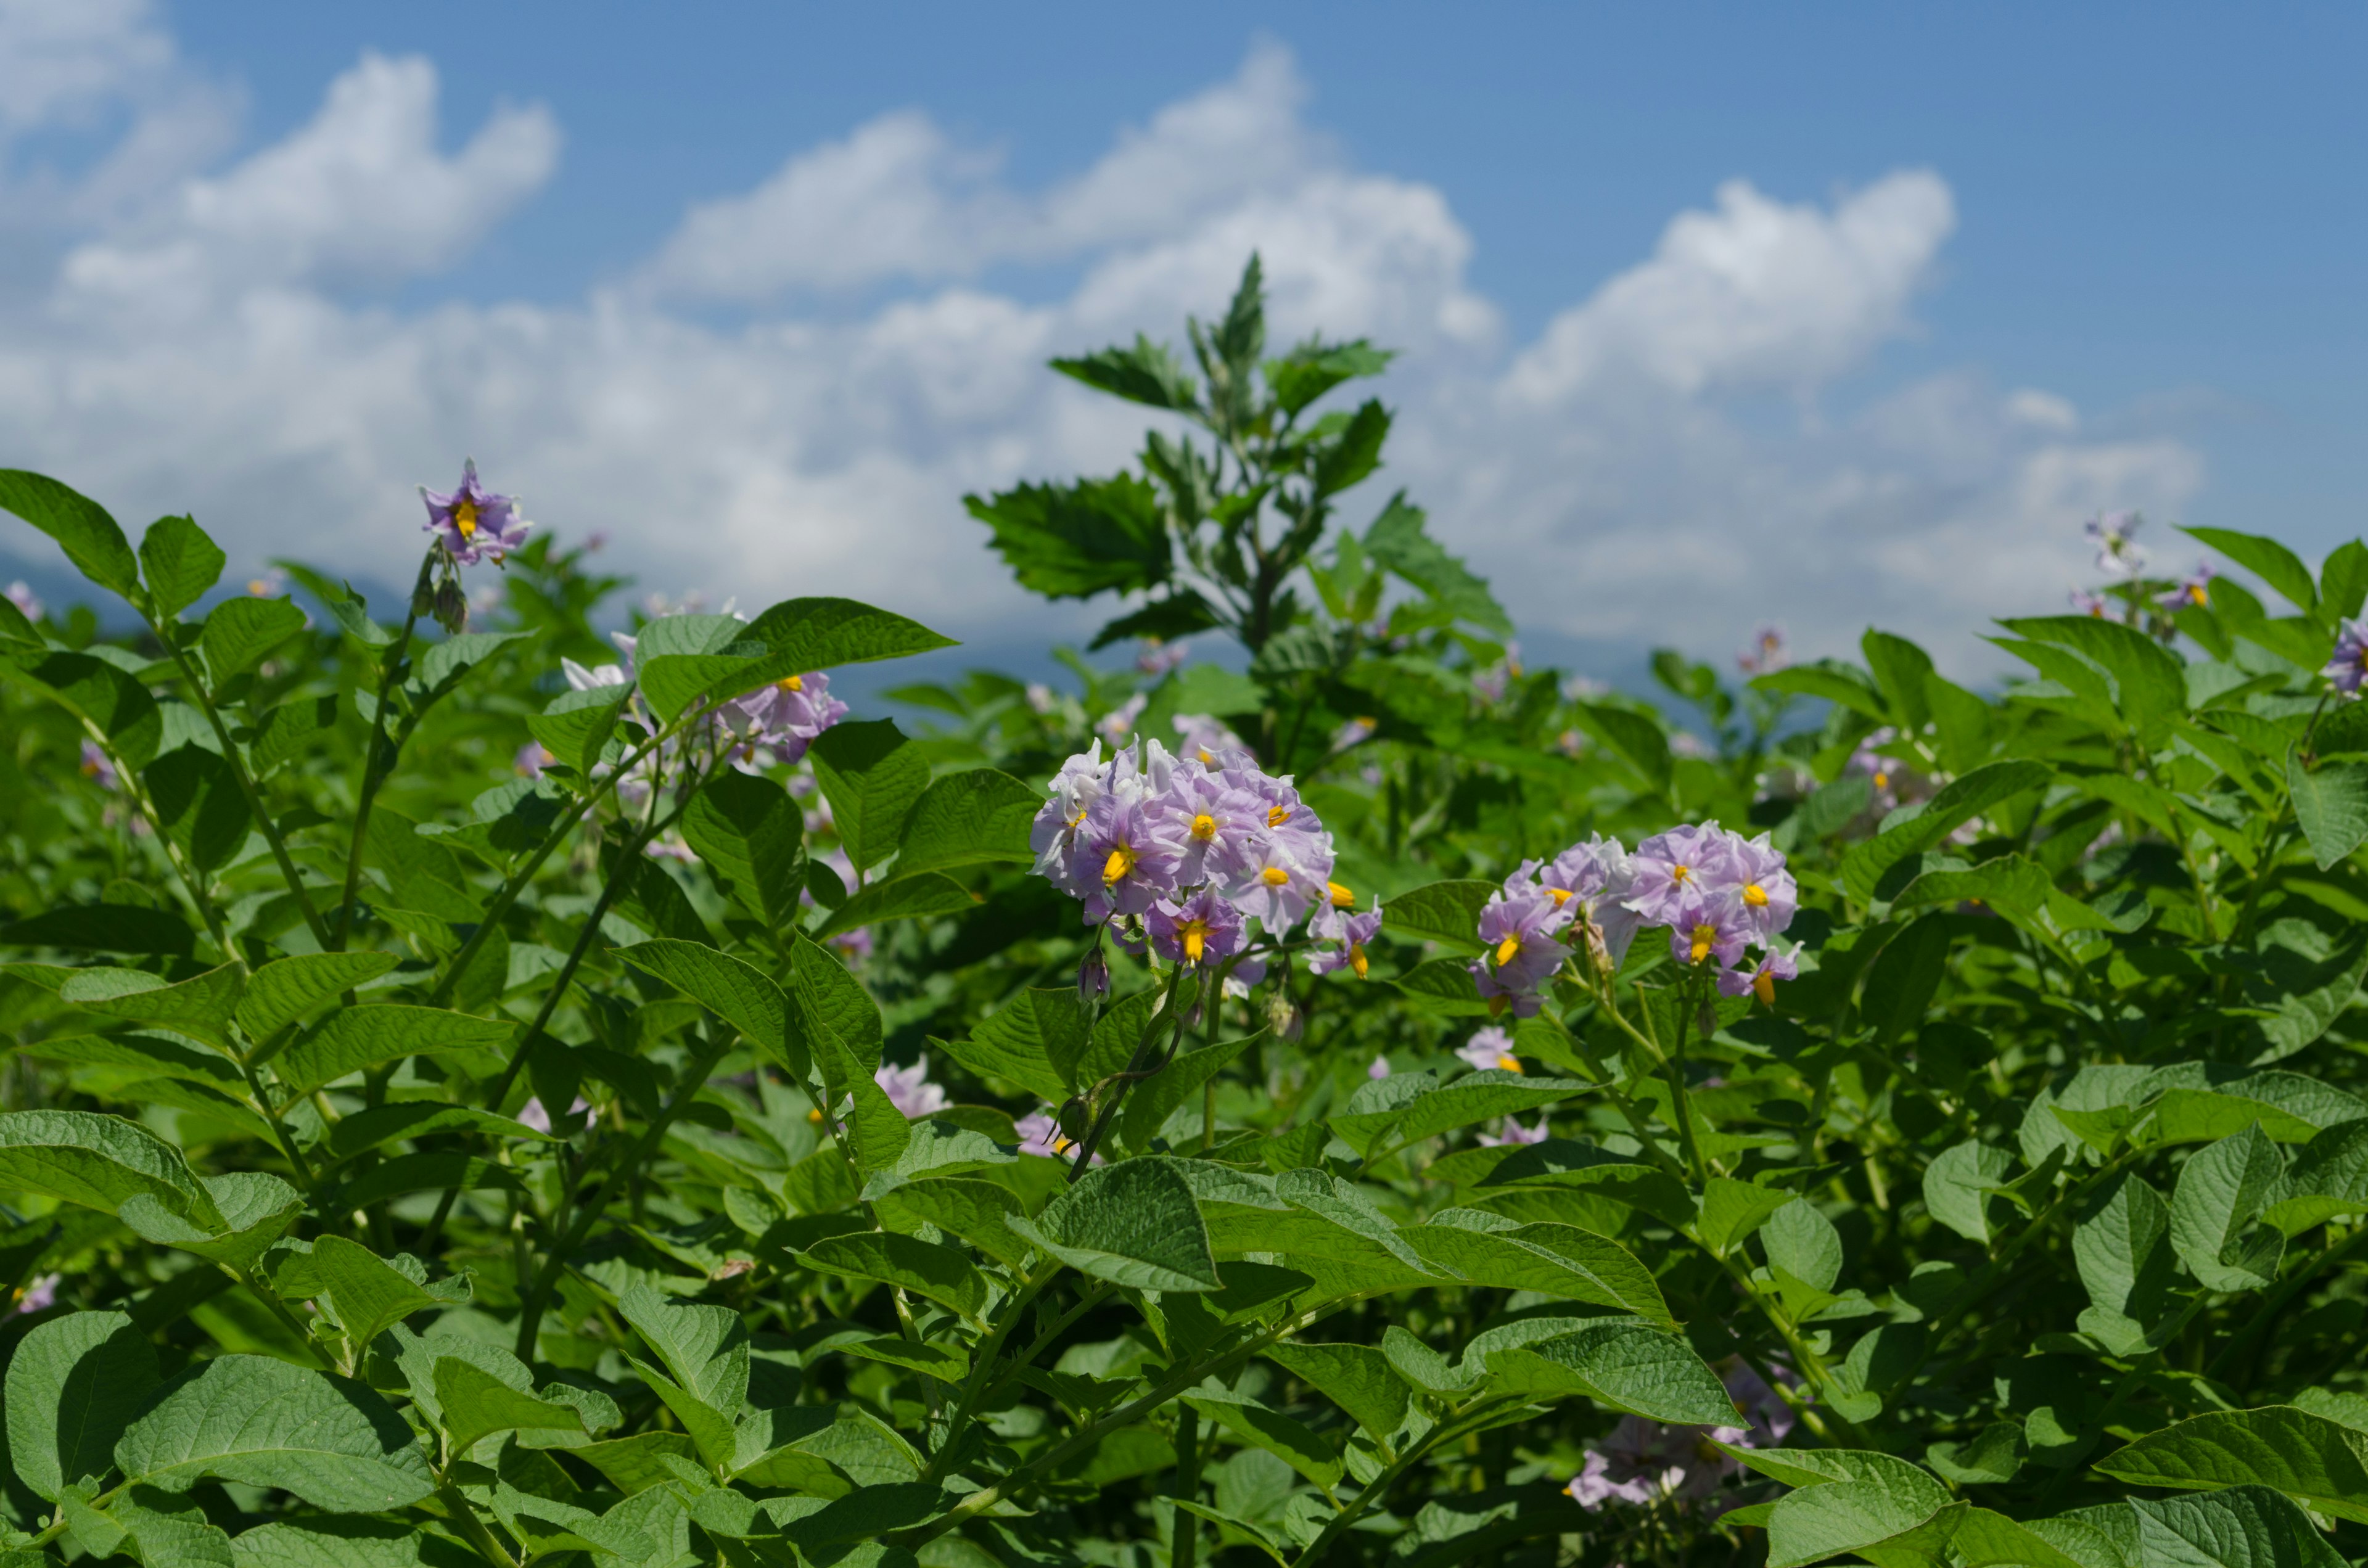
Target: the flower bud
(451, 606)
(1093, 975)
(1076, 1120)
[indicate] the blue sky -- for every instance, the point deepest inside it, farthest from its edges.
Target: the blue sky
(2150, 216)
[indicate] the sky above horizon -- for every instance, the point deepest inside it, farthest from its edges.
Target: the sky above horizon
(1711, 315)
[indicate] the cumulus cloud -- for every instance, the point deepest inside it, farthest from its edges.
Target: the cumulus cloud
(201, 348)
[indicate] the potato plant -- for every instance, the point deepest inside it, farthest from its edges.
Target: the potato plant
(485, 1091)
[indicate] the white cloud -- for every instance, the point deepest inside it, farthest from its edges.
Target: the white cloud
(198, 353)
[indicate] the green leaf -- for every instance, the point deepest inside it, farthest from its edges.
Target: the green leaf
(204, 810)
(2311, 1458)
(347, 1541)
(1287, 1439)
(2151, 684)
(968, 819)
(740, 993)
(289, 727)
(921, 897)
(2330, 801)
(575, 725)
(2267, 559)
(1399, 542)
(706, 1347)
(80, 1156)
(240, 632)
(2120, 1243)
(873, 777)
(81, 526)
(1445, 912)
(2245, 1527)
(748, 831)
(1991, 1458)
(972, 1209)
(2343, 580)
(1351, 457)
(1135, 1223)
(2328, 1179)
(1357, 1378)
(1859, 1517)
(358, 1037)
(823, 633)
(939, 1273)
(370, 1295)
(1803, 1244)
(199, 1006)
(1846, 685)
(179, 562)
(1958, 802)
(261, 1422)
(256, 1210)
(1900, 670)
(1626, 1367)
(1148, 1109)
(1312, 368)
(1551, 1259)
(1145, 373)
(1441, 986)
(116, 704)
(1634, 736)
(75, 1383)
(1026, 1040)
(2221, 1190)
(476, 1405)
(286, 988)
(1477, 1096)
(1959, 1183)
(1074, 541)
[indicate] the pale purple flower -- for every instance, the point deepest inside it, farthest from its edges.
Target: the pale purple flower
(1119, 723)
(1511, 1132)
(1053, 836)
(2115, 553)
(2086, 603)
(1246, 972)
(1490, 1047)
(597, 540)
(99, 766)
(854, 946)
(784, 716)
(1040, 697)
(1378, 1068)
(1684, 743)
(536, 1114)
(1706, 929)
(1202, 739)
(1346, 935)
(473, 522)
(1584, 688)
(2349, 668)
(909, 1089)
(1750, 874)
(671, 847)
(1217, 823)
(1522, 927)
(2195, 589)
(531, 759)
(1668, 868)
(1355, 732)
(40, 1296)
(1126, 855)
(1887, 773)
(1268, 882)
(1775, 964)
(29, 604)
(1202, 929)
(1599, 875)
(1500, 996)
(1157, 658)
(1039, 1133)
(1767, 653)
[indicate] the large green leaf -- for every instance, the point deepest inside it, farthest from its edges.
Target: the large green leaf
(80, 1156)
(1074, 541)
(704, 1347)
(199, 1006)
(2221, 1190)
(2267, 559)
(180, 563)
(115, 703)
(75, 1383)
(259, 1422)
(370, 1294)
(575, 725)
(2150, 686)
(824, 634)
(1551, 1259)
(924, 1268)
(2330, 801)
(873, 777)
(921, 897)
(2307, 1457)
(256, 1210)
(347, 1541)
(2243, 1526)
(360, 1037)
(1288, 1439)
(1958, 802)
(1622, 1366)
(740, 993)
(747, 830)
(476, 1405)
(1357, 1378)
(1144, 372)
(200, 803)
(967, 819)
(286, 988)
(91, 539)
(240, 632)
(1025, 1041)
(1135, 1223)
(1399, 541)
(1445, 912)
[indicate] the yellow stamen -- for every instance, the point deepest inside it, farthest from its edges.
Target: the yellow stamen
(2195, 595)
(1078, 818)
(1705, 938)
(1274, 876)
(1341, 897)
(1763, 985)
(1506, 949)
(1204, 827)
(464, 517)
(1063, 1144)
(791, 682)
(1120, 861)
(1755, 895)
(258, 587)
(1357, 960)
(1560, 895)
(1277, 815)
(814, 1116)
(1510, 1063)
(1882, 780)
(1196, 939)
(1679, 873)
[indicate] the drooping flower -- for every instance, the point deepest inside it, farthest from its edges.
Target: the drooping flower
(531, 759)
(1767, 653)
(99, 768)
(2194, 590)
(1775, 964)
(909, 1089)
(1354, 732)
(2086, 603)
(1490, 1047)
(2116, 553)
(2349, 668)
(40, 1295)
(473, 522)
(28, 603)
(1202, 929)
(1345, 936)
(1511, 1132)
(1500, 996)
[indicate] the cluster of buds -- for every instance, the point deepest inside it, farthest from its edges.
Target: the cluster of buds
(1719, 895)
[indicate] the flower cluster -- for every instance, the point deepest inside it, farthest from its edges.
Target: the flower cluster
(1186, 851)
(1719, 893)
(1642, 1462)
(2349, 668)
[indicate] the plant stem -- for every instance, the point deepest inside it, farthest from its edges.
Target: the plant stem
(1184, 1540)
(373, 775)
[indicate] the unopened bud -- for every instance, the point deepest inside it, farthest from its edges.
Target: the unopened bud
(1597, 950)
(1707, 1020)
(451, 606)
(1076, 1120)
(1093, 975)
(422, 599)
(1281, 1016)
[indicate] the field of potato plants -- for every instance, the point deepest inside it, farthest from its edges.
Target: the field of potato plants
(485, 1088)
